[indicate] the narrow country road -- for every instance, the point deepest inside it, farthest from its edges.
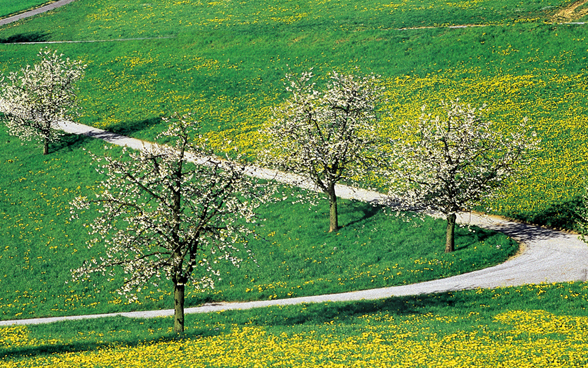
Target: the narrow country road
(547, 255)
(36, 11)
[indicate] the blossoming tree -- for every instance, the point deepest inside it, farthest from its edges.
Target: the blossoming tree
(326, 136)
(164, 217)
(451, 163)
(36, 99)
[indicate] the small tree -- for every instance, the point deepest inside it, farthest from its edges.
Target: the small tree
(451, 163)
(326, 136)
(36, 99)
(165, 217)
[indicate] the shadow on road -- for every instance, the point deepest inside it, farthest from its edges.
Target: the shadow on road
(105, 135)
(527, 233)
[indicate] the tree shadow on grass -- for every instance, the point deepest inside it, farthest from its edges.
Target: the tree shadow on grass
(115, 323)
(319, 313)
(69, 142)
(305, 314)
(26, 37)
(286, 316)
(560, 215)
(466, 238)
(80, 347)
(367, 209)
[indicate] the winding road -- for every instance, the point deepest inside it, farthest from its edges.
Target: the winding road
(546, 256)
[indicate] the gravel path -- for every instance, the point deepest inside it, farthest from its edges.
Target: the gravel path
(33, 12)
(546, 256)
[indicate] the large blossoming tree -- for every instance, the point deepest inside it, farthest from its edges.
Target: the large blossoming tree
(452, 162)
(36, 99)
(326, 135)
(162, 216)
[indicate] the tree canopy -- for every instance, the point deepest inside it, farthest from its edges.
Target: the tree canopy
(448, 164)
(326, 135)
(162, 217)
(35, 99)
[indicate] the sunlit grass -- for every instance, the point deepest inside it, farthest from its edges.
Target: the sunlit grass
(227, 64)
(528, 326)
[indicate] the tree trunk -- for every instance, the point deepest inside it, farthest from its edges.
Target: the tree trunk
(179, 281)
(333, 216)
(450, 241)
(45, 146)
(179, 308)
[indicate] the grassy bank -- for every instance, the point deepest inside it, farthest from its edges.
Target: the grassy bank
(226, 62)
(528, 326)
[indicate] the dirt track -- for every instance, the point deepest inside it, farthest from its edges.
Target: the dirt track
(569, 14)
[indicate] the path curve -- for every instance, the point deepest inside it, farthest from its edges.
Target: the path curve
(569, 13)
(36, 11)
(547, 256)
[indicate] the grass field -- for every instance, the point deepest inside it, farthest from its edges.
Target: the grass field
(528, 326)
(227, 63)
(9, 7)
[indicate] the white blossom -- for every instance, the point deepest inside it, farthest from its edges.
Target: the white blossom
(451, 163)
(165, 217)
(36, 99)
(326, 135)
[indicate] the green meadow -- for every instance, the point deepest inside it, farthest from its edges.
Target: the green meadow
(225, 61)
(526, 326)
